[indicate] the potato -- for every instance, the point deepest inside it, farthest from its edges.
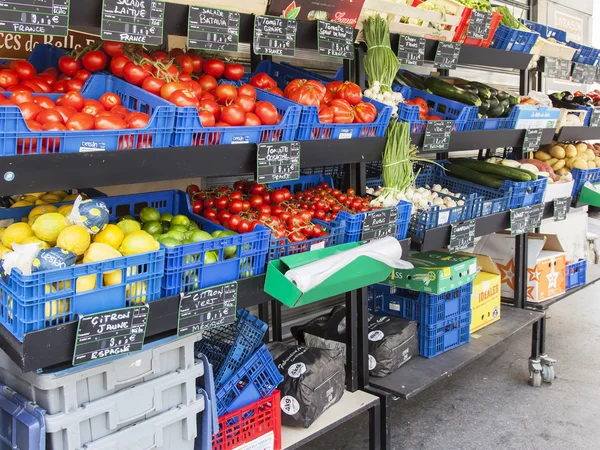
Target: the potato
(581, 147)
(591, 165)
(597, 161)
(570, 162)
(590, 154)
(562, 171)
(557, 152)
(558, 165)
(542, 156)
(571, 151)
(551, 161)
(580, 163)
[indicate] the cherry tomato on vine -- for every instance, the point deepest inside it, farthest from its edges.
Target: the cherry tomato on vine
(94, 61)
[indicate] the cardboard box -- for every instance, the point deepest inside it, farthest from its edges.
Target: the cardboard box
(486, 298)
(342, 11)
(485, 314)
(435, 272)
(558, 190)
(546, 262)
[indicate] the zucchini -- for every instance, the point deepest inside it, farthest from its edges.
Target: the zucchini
(484, 90)
(485, 105)
(446, 90)
(494, 102)
(502, 95)
(504, 102)
(483, 167)
(467, 174)
(513, 100)
(471, 89)
(414, 80)
(495, 111)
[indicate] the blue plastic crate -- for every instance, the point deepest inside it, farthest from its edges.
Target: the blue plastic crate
(374, 169)
(18, 139)
(257, 379)
(374, 183)
(545, 31)
(513, 40)
(302, 183)
(284, 72)
(445, 335)
(582, 176)
(185, 269)
(44, 56)
(22, 424)
(426, 309)
(575, 274)
(336, 172)
(189, 131)
(458, 112)
(584, 54)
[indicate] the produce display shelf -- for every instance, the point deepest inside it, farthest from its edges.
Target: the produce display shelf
(420, 373)
(578, 134)
(53, 346)
(350, 405)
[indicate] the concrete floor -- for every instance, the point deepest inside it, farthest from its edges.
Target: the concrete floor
(489, 405)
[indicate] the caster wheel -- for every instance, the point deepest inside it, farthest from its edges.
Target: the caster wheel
(547, 374)
(535, 379)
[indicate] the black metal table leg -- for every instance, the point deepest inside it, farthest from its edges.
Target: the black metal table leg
(535, 340)
(263, 314)
(351, 341)
(520, 260)
(375, 428)
(276, 321)
(542, 337)
(363, 339)
(385, 409)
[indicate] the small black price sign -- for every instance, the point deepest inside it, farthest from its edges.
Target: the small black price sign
(557, 68)
(536, 214)
(335, 39)
(49, 17)
(462, 236)
(446, 55)
(479, 25)
(595, 117)
(533, 137)
(597, 79)
(437, 136)
(110, 333)
(561, 208)
(278, 161)
(274, 36)
(590, 74)
(207, 308)
(527, 218)
(213, 29)
(139, 22)
(578, 74)
(379, 224)
(411, 50)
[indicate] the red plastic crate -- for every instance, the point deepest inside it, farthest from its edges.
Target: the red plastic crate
(461, 30)
(249, 423)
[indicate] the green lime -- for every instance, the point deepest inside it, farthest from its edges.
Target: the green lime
(180, 219)
(188, 241)
(178, 228)
(165, 225)
(193, 226)
(210, 258)
(128, 226)
(175, 234)
(149, 214)
(121, 219)
(153, 227)
(168, 242)
(230, 251)
(217, 233)
(165, 217)
(199, 236)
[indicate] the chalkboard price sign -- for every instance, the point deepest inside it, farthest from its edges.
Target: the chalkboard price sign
(536, 214)
(136, 21)
(527, 218)
(533, 137)
(437, 136)
(578, 74)
(49, 17)
(446, 55)
(561, 208)
(207, 308)
(110, 333)
(274, 36)
(335, 39)
(213, 29)
(411, 50)
(462, 236)
(278, 161)
(479, 25)
(590, 74)
(379, 224)
(557, 68)
(595, 117)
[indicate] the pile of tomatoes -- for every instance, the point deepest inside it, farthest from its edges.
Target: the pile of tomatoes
(338, 101)
(423, 108)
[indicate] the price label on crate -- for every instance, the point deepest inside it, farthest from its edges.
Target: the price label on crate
(213, 29)
(578, 74)
(595, 117)
(533, 137)
(527, 218)
(557, 68)
(462, 236)
(139, 22)
(335, 39)
(597, 79)
(561, 208)
(590, 74)
(437, 136)
(536, 214)
(207, 308)
(379, 224)
(411, 50)
(446, 55)
(278, 161)
(42, 17)
(110, 333)
(274, 36)
(479, 25)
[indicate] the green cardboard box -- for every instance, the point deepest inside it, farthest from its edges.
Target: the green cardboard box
(590, 196)
(435, 272)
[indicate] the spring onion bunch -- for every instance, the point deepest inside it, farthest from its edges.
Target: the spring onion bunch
(509, 20)
(381, 63)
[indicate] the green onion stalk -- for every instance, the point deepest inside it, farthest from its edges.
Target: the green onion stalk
(381, 63)
(509, 20)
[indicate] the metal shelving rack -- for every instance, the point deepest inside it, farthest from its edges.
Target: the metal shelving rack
(53, 346)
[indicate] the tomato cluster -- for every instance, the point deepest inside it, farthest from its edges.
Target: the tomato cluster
(423, 108)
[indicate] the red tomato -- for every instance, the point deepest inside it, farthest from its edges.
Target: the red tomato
(20, 88)
(350, 92)
(159, 55)
(184, 76)
(66, 112)
(8, 78)
(82, 75)
(244, 226)
(214, 67)
(262, 81)
(247, 103)
(120, 110)
(42, 83)
(326, 114)
(113, 48)
(213, 107)
(365, 112)
(222, 124)
(117, 65)
(110, 123)
(26, 146)
(184, 97)
(302, 83)
(175, 52)
(30, 110)
(23, 69)
(197, 60)
(60, 86)
(30, 85)
(186, 63)
(44, 102)
(208, 82)
(21, 96)
(169, 88)
(110, 100)
(94, 61)
(248, 90)
(196, 88)
(47, 77)
(135, 74)
(434, 118)
(207, 96)
(267, 113)
(233, 115)
(69, 65)
(52, 144)
(207, 119)
(93, 107)
(422, 105)
(49, 115)
(252, 120)
(234, 71)
(334, 86)
(305, 95)
(72, 99)
(153, 85)
(275, 90)
(138, 120)
(342, 111)
(225, 94)
(52, 71)
(74, 85)
(80, 121)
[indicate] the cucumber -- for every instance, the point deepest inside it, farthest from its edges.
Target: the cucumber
(467, 174)
(493, 169)
(485, 105)
(414, 80)
(502, 96)
(446, 90)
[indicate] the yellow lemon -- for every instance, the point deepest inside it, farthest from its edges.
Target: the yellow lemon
(4, 251)
(48, 226)
(100, 252)
(136, 293)
(74, 238)
(21, 203)
(41, 209)
(138, 242)
(16, 234)
(111, 235)
(36, 194)
(85, 283)
(51, 198)
(29, 198)
(2, 230)
(35, 240)
(59, 194)
(72, 197)
(65, 210)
